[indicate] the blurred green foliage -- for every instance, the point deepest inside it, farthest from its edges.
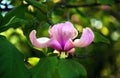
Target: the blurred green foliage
(101, 59)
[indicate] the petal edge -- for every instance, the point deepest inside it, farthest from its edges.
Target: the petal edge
(37, 42)
(86, 38)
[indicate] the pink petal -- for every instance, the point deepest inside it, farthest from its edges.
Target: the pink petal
(68, 31)
(63, 32)
(86, 38)
(71, 51)
(55, 44)
(39, 42)
(69, 45)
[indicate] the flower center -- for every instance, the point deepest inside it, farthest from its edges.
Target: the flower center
(63, 55)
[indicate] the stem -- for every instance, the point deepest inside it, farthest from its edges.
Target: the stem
(63, 55)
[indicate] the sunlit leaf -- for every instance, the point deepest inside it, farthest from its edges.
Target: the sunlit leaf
(33, 60)
(11, 61)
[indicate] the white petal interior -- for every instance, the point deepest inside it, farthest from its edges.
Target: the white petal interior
(43, 40)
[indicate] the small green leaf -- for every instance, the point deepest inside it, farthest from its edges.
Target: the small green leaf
(100, 38)
(106, 1)
(11, 61)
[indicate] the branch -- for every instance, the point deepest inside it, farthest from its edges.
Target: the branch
(84, 56)
(84, 5)
(64, 5)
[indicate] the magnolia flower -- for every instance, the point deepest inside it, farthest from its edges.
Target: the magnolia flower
(62, 38)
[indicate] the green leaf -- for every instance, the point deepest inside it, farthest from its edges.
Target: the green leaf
(52, 67)
(38, 5)
(45, 68)
(39, 16)
(13, 22)
(1, 17)
(16, 2)
(18, 12)
(83, 17)
(11, 61)
(106, 1)
(71, 69)
(100, 38)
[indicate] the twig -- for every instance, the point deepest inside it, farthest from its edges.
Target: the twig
(84, 56)
(84, 5)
